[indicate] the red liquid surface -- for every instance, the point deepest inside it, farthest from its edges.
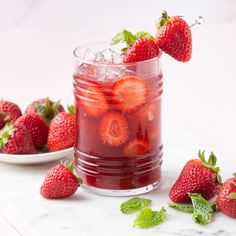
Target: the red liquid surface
(120, 166)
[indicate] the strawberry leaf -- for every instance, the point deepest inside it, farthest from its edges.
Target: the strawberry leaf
(232, 196)
(71, 109)
(6, 133)
(143, 34)
(212, 159)
(201, 155)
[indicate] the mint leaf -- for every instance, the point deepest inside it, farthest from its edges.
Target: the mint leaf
(117, 38)
(203, 210)
(134, 204)
(232, 196)
(143, 34)
(182, 207)
(147, 218)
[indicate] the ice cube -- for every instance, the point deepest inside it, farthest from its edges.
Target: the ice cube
(93, 55)
(111, 56)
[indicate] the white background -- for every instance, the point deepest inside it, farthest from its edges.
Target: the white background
(37, 38)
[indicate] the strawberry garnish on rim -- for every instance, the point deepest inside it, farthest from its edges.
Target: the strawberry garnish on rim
(129, 93)
(138, 47)
(113, 129)
(174, 37)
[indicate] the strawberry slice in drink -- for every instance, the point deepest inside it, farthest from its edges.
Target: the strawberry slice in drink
(129, 93)
(113, 129)
(136, 147)
(92, 99)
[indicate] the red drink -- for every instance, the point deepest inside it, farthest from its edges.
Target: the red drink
(118, 125)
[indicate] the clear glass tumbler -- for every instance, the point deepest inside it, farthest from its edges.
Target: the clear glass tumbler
(118, 148)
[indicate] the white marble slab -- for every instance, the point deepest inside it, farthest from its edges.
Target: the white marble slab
(87, 214)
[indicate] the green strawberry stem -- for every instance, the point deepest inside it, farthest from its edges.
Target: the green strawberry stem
(47, 110)
(232, 196)
(70, 166)
(210, 164)
(6, 133)
(71, 109)
(162, 20)
(234, 174)
(4, 116)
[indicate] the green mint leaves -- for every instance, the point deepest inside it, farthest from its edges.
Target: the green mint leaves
(182, 207)
(128, 38)
(203, 210)
(147, 218)
(211, 163)
(134, 204)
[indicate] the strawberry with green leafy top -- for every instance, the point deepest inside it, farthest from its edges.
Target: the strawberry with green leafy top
(46, 108)
(61, 133)
(10, 110)
(197, 176)
(60, 182)
(37, 127)
(139, 47)
(174, 37)
(226, 200)
(16, 139)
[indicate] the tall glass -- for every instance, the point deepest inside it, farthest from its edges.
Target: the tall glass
(118, 148)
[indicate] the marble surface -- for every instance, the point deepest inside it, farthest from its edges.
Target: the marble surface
(87, 214)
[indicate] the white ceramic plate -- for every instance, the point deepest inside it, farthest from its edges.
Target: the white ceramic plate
(29, 159)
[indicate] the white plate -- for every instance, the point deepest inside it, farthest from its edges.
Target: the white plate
(28, 159)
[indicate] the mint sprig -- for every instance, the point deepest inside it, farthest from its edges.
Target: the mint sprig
(134, 204)
(128, 38)
(148, 218)
(203, 210)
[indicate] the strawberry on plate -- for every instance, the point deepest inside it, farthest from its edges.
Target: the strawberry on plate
(113, 129)
(16, 139)
(46, 108)
(61, 133)
(140, 46)
(174, 37)
(136, 147)
(226, 200)
(92, 99)
(10, 109)
(197, 176)
(60, 182)
(129, 93)
(37, 127)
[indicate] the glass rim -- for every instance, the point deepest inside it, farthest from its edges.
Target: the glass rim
(83, 46)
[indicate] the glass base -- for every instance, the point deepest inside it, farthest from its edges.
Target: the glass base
(121, 193)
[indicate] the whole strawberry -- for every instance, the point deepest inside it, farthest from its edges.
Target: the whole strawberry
(46, 108)
(140, 46)
(60, 182)
(174, 37)
(16, 139)
(197, 176)
(37, 127)
(3, 119)
(10, 109)
(226, 200)
(62, 131)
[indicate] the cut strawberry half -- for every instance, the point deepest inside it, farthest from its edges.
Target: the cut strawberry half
(129, 93)
(93, 100)
(113, 129)
(137, 147)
